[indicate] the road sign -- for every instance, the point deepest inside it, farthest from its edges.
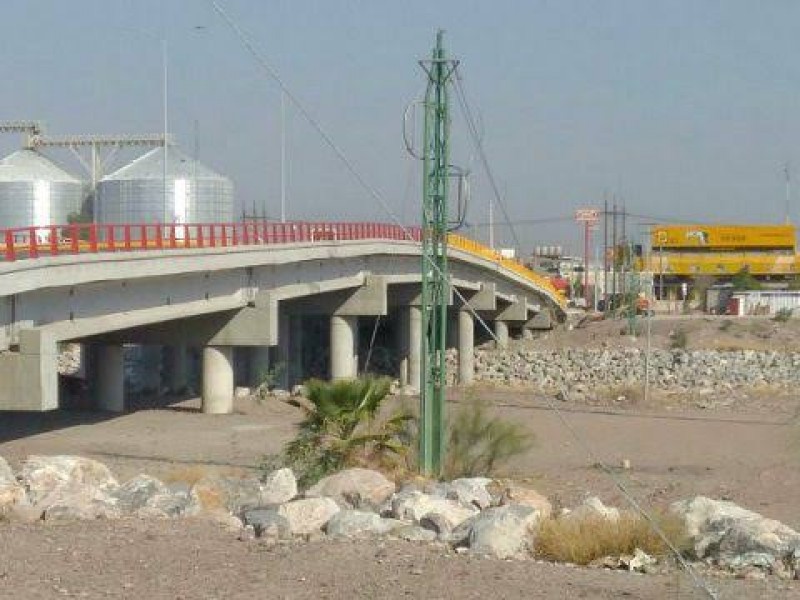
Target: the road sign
(587, 215)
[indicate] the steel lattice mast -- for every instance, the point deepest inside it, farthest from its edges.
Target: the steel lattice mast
(435, 280)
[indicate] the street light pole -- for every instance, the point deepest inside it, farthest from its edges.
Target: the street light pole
(283, 156)
(167, 218)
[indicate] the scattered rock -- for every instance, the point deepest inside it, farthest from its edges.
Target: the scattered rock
(231, 493)
(308, 515)
(504, 532)
(471, 491)
(414, 505)
(278, 487)
(11, 493)
(79, 502)
(593, 507)
(414, 533)
(734, 537)
(524, 496)
(267, 523)
(356, 523)
(354, 488)
(137, 492)
(43, 475)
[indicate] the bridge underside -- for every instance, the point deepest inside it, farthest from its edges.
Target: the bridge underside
(243, 315)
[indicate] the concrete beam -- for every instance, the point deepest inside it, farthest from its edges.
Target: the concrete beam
(246, 326)
(516, 311)
(367, 300)
(410, 294)
(542, 321)
(484, 299)
(29, 376)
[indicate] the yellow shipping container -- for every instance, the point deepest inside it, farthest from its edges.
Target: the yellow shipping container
(778, 237)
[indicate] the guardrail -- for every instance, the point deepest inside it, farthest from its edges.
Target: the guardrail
(54, 240)
(473, 247)
(81, 238)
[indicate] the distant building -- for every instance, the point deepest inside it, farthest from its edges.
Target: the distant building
(679, 255)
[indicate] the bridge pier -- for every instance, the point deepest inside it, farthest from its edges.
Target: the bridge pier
(295, 366)
(259, 366)
(110, 378)
(344, 354)
(466, 347)
(414, 345)
(501, 333)
(217, 380)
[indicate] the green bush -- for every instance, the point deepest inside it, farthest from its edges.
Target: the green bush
(783, 315)
(679, 340)
(478, 443)
(342, 428)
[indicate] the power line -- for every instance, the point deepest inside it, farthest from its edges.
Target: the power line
(376, 195)
(476, 140)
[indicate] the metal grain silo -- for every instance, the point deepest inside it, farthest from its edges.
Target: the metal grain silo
(135, 193)
(35, 191)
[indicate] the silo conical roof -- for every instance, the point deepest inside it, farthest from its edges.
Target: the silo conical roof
(151, 166)
(29, 165)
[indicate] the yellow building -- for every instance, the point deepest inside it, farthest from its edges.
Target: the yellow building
(680, 253)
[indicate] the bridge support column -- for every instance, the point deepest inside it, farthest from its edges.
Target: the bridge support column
(402, 345)
(344, 338)
(501, 333)
(466, 347)
(282, 350)
(259, 366)
(414, 346)
(176, 368)
(218, 380)
(110, 378)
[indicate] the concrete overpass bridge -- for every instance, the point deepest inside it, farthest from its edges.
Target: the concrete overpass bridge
(245, 285)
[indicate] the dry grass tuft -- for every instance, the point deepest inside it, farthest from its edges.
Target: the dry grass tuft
(582, 540)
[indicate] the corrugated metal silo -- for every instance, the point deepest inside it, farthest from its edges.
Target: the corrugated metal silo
(35, 191)
(135, 193)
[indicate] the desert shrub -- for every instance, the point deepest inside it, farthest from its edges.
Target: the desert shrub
(267, 380)
(744, 281)
(582, 540)
(783, 315)
(342, 428)
(478, 443)
(679, 340)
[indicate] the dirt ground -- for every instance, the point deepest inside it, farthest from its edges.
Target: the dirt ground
(701, 332)
(748, 453)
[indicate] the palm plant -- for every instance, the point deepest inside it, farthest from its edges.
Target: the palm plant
(342, 427)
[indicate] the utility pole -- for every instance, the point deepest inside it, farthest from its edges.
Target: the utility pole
(614, 253)
(435, 279)
(605, 252)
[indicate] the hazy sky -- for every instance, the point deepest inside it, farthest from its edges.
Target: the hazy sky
(687, 109)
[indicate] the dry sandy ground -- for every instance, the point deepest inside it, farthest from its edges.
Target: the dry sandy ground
(750, 457)
(182, 560)
(701, 331)
(748, 452)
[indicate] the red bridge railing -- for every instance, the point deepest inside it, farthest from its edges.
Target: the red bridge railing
(54, 240)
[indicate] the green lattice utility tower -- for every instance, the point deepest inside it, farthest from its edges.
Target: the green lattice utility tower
(435, 280)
